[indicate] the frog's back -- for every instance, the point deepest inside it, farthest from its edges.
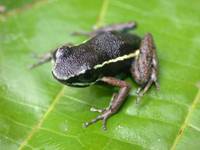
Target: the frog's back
(104, 54)
(108, 46)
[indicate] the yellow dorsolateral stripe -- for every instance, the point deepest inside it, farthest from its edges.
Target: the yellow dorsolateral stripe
(121, 58)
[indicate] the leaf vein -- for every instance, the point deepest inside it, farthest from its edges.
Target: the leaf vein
(41, 121)
(13, 141)
(41, 128)
(100, 18)
(123, 141)
(186, 121)
(194, 127)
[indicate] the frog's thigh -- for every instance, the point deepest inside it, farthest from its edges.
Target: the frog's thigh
(144, 67)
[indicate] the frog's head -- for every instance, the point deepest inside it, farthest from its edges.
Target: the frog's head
(69, 67)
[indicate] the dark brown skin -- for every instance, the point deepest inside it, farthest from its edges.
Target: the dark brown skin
(116, 102)
(121, 27)
(144, 70)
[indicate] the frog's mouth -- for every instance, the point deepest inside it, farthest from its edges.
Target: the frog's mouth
(72, 81)
(79, 84)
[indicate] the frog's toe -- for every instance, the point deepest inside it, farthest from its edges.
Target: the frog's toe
(94, 109)
(105, 114)
(86, 124)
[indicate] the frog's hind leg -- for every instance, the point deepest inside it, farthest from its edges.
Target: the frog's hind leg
(120, 27)
(144, 68)
(116, 101)
(143, 89)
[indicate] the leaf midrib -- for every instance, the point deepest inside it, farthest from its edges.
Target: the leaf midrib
(99, 22)
(61, 92)
(41, 121)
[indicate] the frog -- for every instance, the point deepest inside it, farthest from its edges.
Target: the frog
(110, 51)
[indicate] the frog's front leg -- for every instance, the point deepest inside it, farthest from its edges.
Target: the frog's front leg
(116, 101)
(144, 68)
(42, 59)
(120, 27)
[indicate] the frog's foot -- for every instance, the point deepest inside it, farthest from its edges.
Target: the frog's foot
(143, 89)
(105, 114)
(116, 101)
(144, 68)
(102, 110)
(120, 27)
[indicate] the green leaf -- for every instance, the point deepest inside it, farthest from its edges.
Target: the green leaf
(37, 112)
(9, 5)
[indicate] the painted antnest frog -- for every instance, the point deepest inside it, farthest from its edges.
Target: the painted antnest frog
(111, 50)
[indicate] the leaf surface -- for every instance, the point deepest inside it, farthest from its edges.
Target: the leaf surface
(37, 112)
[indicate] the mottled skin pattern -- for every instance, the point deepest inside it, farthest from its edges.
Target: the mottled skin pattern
(70, 61)
(114, 51)
(144, 68)
(141, 68)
